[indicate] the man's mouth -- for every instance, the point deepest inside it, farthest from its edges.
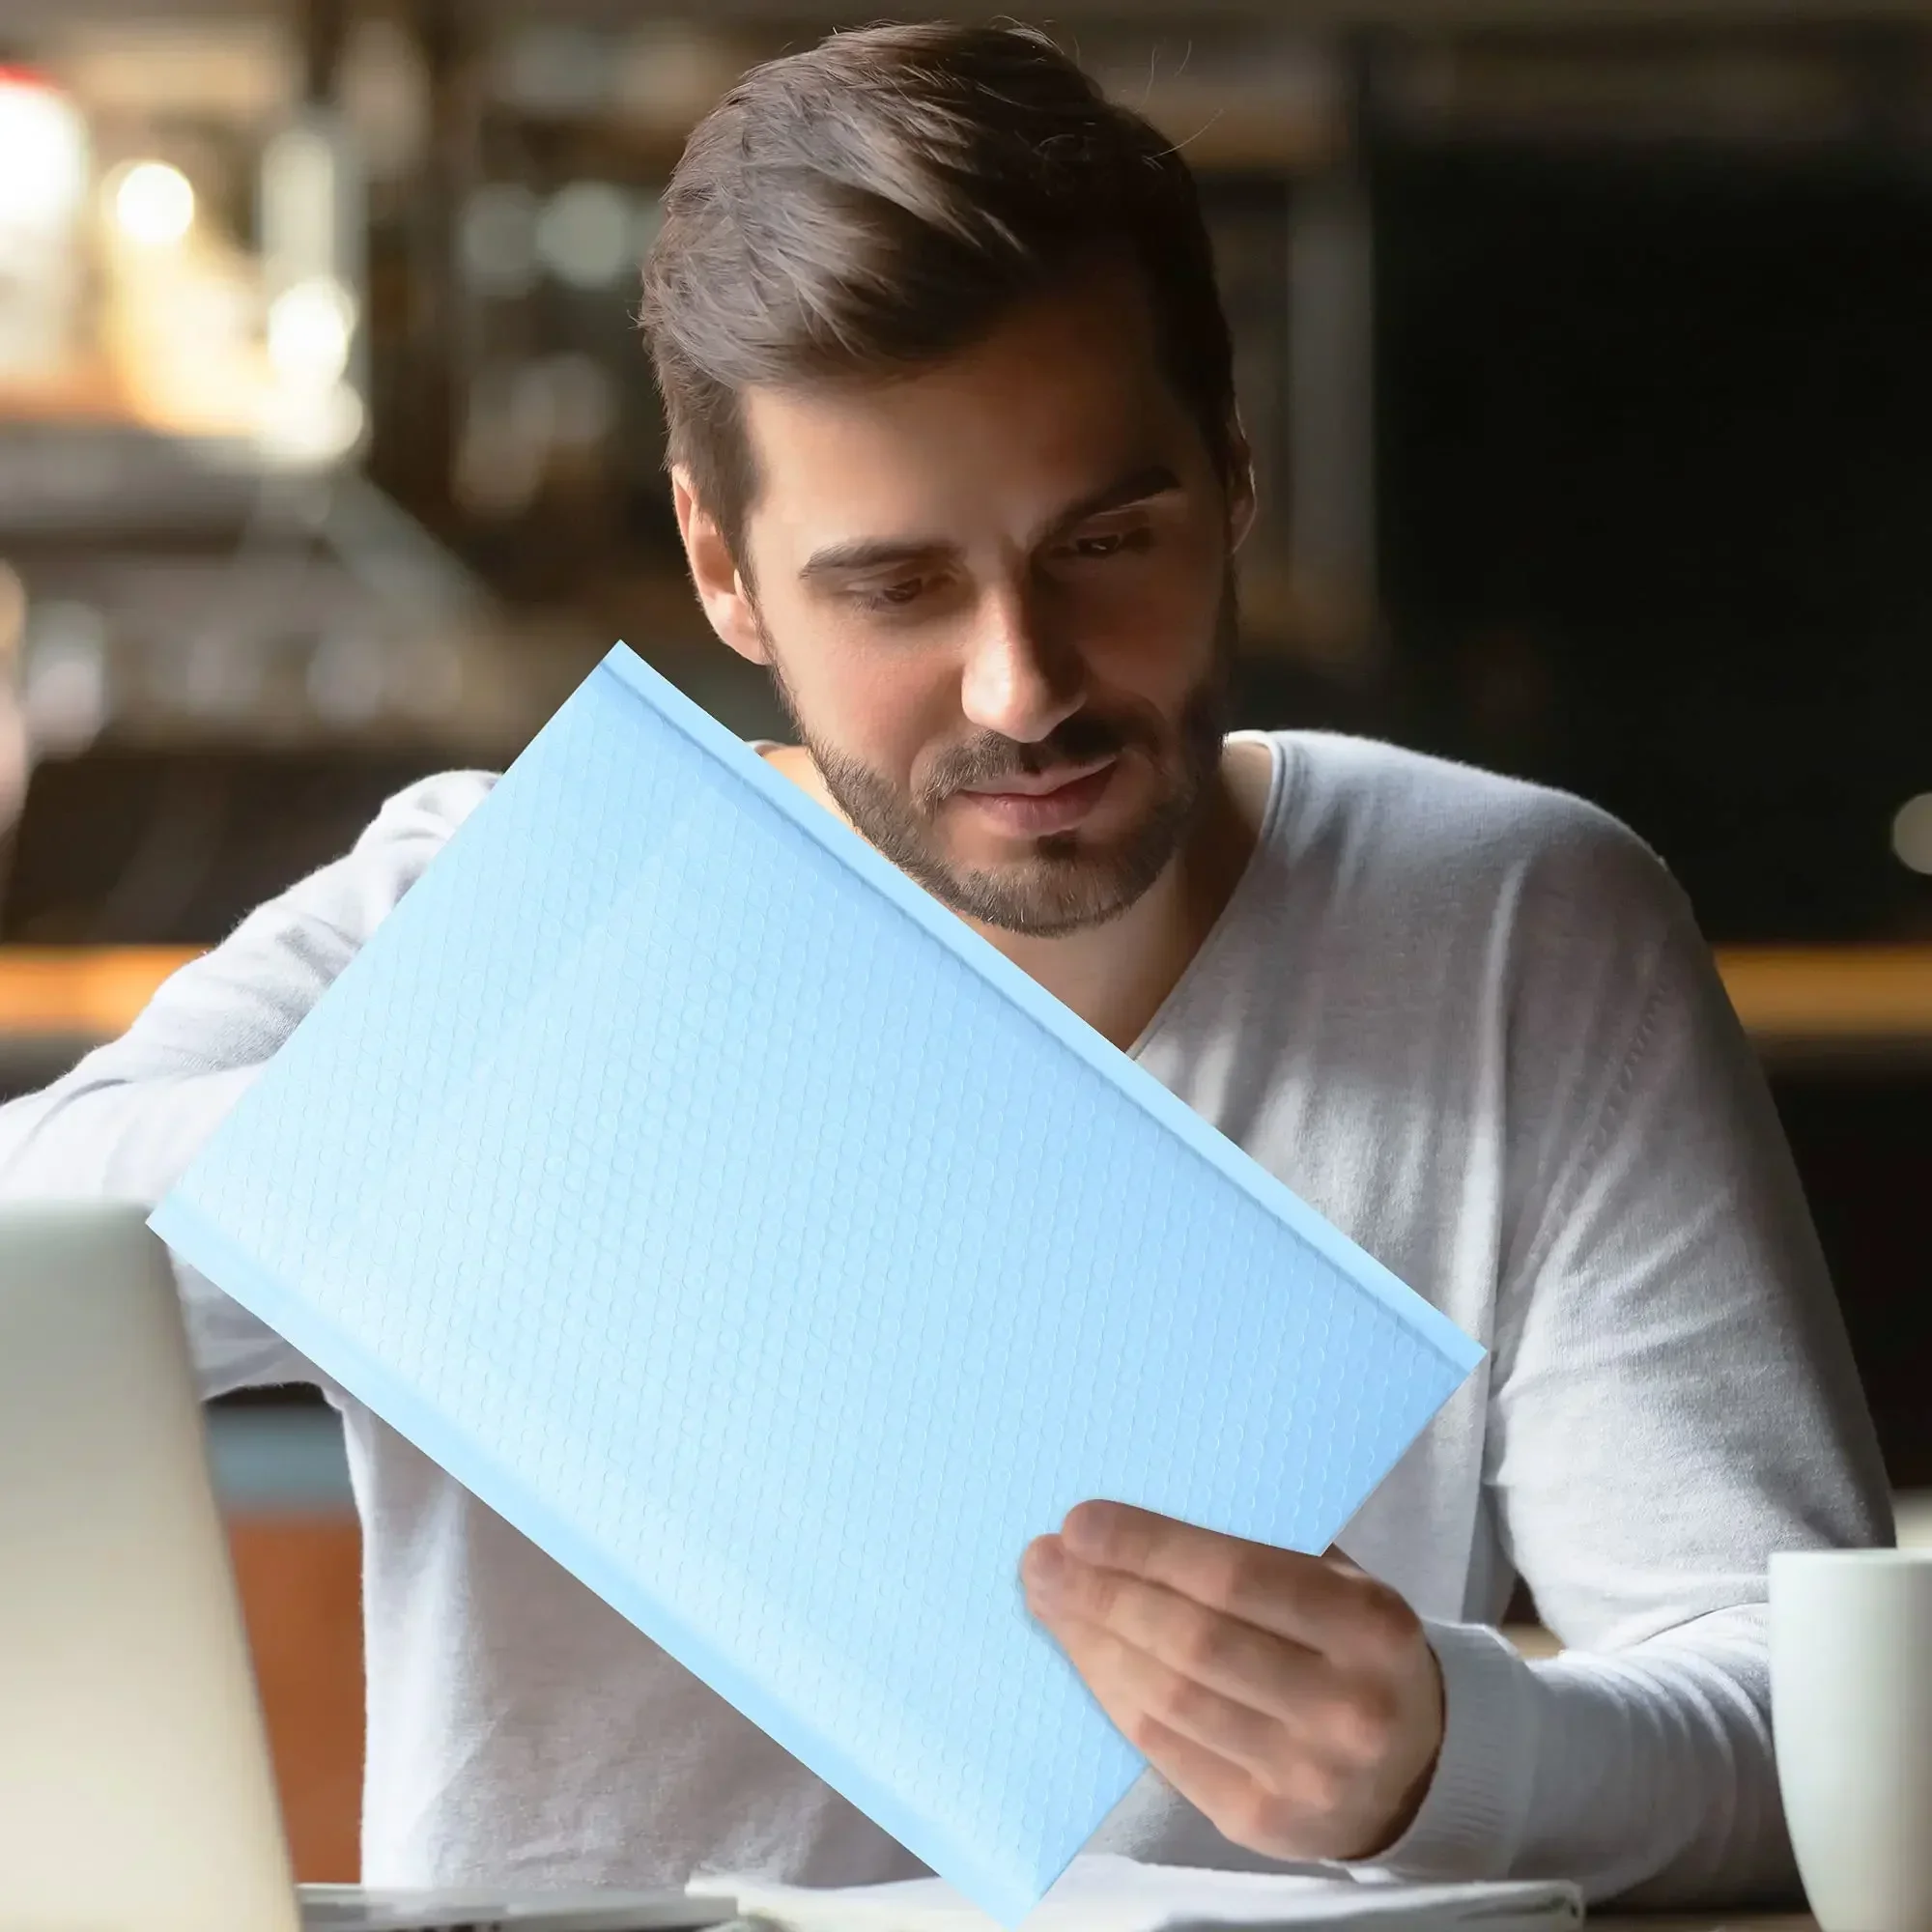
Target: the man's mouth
(1043, 803)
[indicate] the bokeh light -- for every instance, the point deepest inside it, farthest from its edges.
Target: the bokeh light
(153, 204)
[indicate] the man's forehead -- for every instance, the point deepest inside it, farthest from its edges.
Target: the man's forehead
(1079, 357)
(1026, 436)
(802, 515)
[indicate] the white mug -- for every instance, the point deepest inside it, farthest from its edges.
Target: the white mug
(1850, 1693)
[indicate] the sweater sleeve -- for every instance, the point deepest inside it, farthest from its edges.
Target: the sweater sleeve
(1673, 1400)
(125, 1122)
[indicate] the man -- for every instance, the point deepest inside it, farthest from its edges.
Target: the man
(954, 454)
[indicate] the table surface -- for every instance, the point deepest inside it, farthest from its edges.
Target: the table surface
(1769, 1921)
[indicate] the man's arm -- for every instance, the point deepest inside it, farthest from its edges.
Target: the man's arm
(1673, 1400)
(126, 1121)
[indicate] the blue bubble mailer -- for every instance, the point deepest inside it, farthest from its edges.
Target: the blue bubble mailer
(763, 1246)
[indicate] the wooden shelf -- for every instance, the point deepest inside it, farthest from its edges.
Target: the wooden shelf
(1866, 993)
(1855, 995)
(91, 992)
(1851, 994)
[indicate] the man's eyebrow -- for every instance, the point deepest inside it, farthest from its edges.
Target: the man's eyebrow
(1156, 479)
(873, 553)
(861, 554)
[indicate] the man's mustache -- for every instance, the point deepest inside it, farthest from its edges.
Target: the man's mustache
(1084, 739)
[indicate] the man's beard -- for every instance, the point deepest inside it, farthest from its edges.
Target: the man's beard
(1068, 881)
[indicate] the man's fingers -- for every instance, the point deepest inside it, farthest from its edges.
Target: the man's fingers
(1240, 1804)
(1145, 1697)
(1296, 1596)
(1227, 1655)
(1236, 1805)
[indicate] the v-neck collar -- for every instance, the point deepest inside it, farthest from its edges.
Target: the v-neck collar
(1245, 888)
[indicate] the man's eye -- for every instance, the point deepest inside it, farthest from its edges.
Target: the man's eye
(894, 596)
(1108, 543)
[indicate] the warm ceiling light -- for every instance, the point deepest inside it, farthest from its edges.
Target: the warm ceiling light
(153, 204)
(312, 331)
(43, 154)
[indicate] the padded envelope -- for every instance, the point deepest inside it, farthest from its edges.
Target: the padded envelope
(748, 1231)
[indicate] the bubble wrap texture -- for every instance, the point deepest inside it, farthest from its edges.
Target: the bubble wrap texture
(758, 1241)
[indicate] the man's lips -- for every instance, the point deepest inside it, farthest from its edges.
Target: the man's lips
(1016, 786)
(1054, 801)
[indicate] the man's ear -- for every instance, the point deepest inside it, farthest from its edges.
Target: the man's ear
(1240, 484)
(719, 585)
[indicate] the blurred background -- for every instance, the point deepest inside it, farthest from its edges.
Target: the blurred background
(1586, 348)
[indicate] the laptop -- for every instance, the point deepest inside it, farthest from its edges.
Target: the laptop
(135, 1783)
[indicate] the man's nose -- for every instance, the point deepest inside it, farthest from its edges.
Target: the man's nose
(1017, 679)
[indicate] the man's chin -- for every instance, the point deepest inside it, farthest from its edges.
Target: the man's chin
(1043, 897)
(1046, 885)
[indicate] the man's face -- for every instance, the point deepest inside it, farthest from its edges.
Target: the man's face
(997, 601)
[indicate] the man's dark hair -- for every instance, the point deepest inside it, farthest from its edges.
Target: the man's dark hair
(882, 201)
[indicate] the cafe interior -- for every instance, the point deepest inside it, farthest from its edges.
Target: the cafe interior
(1584, 351)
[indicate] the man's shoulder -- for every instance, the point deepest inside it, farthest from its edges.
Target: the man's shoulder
(1457, 837)
(429, 809)
(341, 903)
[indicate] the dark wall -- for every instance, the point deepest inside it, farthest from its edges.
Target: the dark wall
(1656, 471)
(1864, 1144)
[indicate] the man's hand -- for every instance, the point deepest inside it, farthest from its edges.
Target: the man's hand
(1292, 1700)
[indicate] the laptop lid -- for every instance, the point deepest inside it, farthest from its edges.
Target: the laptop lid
(135, 1783)
(352, 1909)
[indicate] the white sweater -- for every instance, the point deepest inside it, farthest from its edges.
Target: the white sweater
(1471, 1022)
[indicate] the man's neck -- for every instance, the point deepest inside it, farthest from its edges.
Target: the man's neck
(1117, 977)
